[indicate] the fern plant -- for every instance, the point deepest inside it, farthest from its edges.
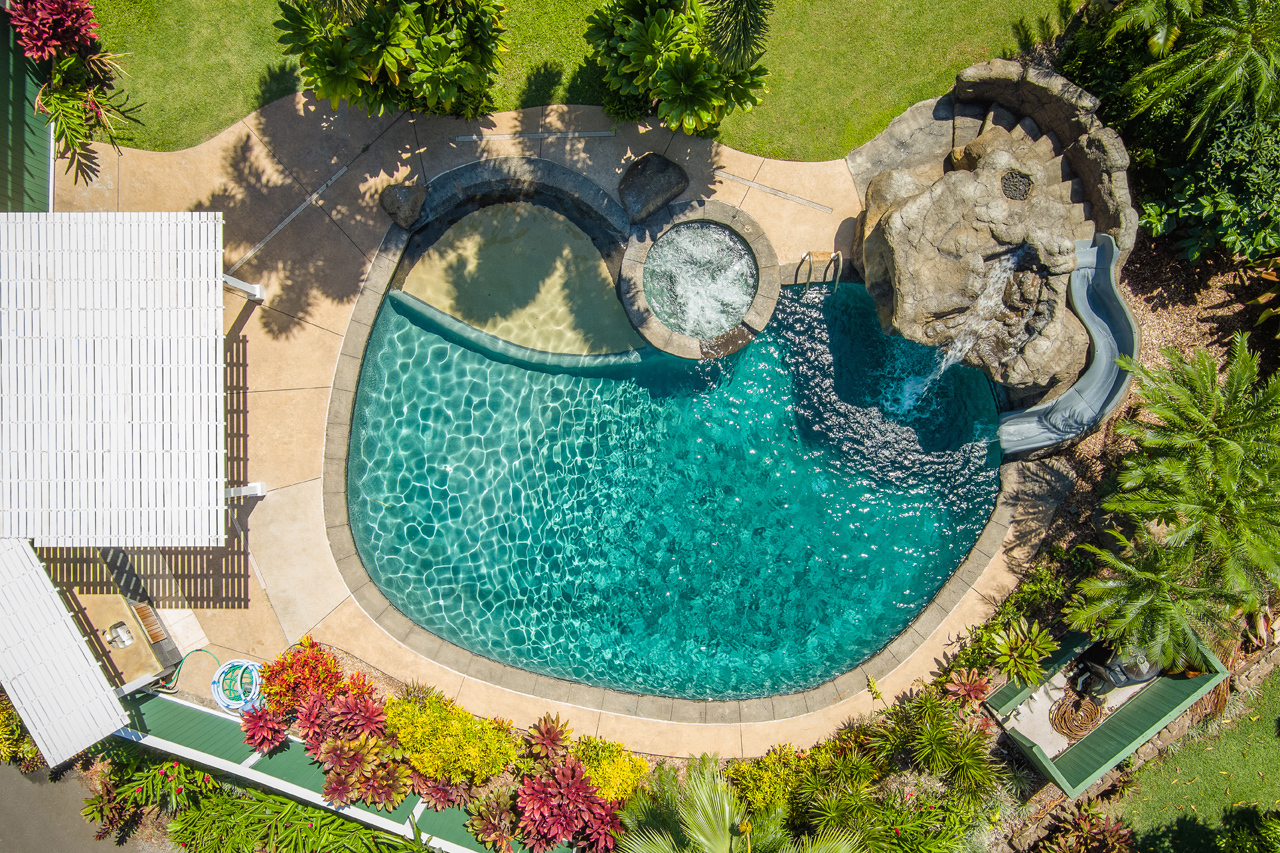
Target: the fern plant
(1208, 462)
(1151, 603)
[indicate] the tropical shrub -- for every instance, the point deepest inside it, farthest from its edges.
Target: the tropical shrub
(443, 741)
(1227, 58)
(51, 28)
(133, 783)
(298, 673)
(1246, 830)
(368, 768)
(263, 730)
(663, 51)
(613, 768)
(968, 685)
(16, 744)
(1086, 830)
(563, 806)
(766, 783)
(1208, 450)
(256, 821)
(547, 739)
(1228, 199)
(493, 820)
(1151, 604)
(738, 29)
(1019, 648)
(436, 56)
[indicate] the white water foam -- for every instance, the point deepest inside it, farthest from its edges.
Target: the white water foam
(700, 279)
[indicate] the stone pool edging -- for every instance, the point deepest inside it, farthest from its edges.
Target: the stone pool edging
(375, 605)
(631, 279)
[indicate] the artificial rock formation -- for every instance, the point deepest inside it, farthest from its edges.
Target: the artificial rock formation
(978, 262)
(403, 203)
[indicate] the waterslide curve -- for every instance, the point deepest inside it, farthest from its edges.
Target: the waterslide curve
(1095, 395)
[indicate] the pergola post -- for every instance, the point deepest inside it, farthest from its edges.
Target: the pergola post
(255, 292)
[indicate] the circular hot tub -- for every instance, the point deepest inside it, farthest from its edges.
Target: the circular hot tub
(702, 282)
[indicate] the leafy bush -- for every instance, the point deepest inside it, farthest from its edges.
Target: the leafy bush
(435, 56)
(1087, 831)
(662, 51)
(443, 741)
(16, 744)
(52, 28)
(263, 730)
(564, 806)
(257, 821)
(613, 768)
(1228, 199)
(1246, 830)
(298, 673)
(1019, 648)
(766, 783)
(135, 782)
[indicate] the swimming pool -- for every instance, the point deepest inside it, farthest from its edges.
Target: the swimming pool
(735, 529)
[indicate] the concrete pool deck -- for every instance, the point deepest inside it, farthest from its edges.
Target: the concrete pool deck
(299, 184)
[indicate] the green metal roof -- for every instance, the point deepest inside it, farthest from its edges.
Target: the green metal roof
(24, 136)
(1014, 693)
(1121, 732)
(292, 764)
(207, 731)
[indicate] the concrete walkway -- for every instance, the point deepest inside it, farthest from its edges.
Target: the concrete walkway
(39, 816)
(299, 184)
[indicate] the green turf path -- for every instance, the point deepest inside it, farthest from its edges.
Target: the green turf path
(842, 69)
(1183, 793)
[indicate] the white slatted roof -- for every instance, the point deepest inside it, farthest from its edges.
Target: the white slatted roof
(47, 670)
(111, 379)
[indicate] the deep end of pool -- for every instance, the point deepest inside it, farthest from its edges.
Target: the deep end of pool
(744, 528)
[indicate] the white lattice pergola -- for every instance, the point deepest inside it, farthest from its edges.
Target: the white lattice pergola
(48, 672)
(112, 413)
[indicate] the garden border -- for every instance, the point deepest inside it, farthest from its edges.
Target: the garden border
(454, 658)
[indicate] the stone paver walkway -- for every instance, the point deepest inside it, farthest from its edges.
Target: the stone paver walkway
(298, 184)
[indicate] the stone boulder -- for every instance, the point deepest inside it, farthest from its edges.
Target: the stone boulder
(978, 263)
(649, 184)
(403, 203)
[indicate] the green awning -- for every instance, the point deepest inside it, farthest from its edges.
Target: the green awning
(24, 143)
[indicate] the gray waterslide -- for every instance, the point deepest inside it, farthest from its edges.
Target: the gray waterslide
(1102, 386)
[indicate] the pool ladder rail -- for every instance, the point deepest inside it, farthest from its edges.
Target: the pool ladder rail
(836, 256)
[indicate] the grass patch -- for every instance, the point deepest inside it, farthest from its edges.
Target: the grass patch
(194, 66)
(1185, 794)
(842, 69)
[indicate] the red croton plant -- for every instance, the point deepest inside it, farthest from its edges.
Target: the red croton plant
(49, 28)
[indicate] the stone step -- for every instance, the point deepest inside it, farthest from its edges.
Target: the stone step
(998, 116)
(1059, 167)
(966, 123)
(1070, 192)
(1081, 212)
(1048, 146)
(1027, 129)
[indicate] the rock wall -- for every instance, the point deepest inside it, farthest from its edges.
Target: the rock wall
(1096, 153)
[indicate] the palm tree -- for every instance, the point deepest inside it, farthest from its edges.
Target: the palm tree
(1228, 58)
(1153, 603)
(704, 815)
(738, 29)
(1209, 465)
(1161, 20)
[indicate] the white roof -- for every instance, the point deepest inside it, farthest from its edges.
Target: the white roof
(47, 670)
(111, 379)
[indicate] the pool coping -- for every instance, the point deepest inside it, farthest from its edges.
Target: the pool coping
(657, 708)
(650, 326)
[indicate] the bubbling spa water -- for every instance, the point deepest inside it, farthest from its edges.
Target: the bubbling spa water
(739, 528)
(700, 278)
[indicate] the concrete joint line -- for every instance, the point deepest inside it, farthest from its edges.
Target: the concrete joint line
(566, 134)
(721, 173)
(274, 231)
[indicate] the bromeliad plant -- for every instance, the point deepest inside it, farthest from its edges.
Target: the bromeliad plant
(263, 730)
(664, 52)
(563, 806)
(435, 56)
(1019, 648)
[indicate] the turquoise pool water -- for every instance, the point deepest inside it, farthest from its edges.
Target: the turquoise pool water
(748, 527)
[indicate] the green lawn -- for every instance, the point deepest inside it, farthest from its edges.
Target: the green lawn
(1184, 793)
(841, 68)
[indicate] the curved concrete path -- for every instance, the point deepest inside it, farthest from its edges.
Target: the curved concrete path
(298, 184)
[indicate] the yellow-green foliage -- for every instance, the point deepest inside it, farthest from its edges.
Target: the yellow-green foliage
(613, 768)
(445, 742)
(11, 734)
(766, 783)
